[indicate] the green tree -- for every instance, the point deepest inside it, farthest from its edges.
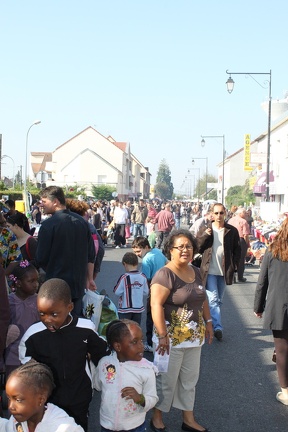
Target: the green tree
(201, 187)
(103, 192)
(240, 195)
(2, 186)
(164, 187)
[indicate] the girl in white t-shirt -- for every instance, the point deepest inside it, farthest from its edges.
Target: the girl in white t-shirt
(28, 388)
(126, 379)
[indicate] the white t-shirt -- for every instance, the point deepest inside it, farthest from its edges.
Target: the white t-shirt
(120, 215)
(216, 264)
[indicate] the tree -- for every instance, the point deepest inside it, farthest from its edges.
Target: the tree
(103, 192)
(201, 187)
(164, 187)
(240, 195)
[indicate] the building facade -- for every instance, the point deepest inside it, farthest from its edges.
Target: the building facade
(89, 159)
(278, 166)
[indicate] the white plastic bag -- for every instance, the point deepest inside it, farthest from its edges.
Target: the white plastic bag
(92, 306)
(161, 361)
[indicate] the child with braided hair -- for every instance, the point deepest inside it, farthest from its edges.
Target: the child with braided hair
(23, 307)
(127, 380)
(28, 388)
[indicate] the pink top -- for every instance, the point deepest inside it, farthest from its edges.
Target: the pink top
(165, 220)
(241, 225)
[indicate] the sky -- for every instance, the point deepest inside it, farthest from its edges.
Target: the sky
(148, 72)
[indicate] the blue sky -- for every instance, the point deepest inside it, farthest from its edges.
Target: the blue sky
(150, 72)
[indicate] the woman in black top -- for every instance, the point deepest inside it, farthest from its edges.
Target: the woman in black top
(271, 297)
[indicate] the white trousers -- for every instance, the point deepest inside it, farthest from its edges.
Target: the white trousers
(177, 387)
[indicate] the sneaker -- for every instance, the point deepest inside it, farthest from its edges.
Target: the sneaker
(148, 348)
(281, 398)
(117, 247)
(218, 334)
(125, 246)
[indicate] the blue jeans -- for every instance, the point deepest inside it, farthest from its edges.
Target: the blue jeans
(177, 223)
(141, 428)
(138, 230)
(215, 287)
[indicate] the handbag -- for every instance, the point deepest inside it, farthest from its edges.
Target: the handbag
(92, 306)
(197, 260)
(109, 313)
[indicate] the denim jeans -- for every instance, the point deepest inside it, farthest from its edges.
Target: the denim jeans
(138, 230)
(215, 287)
(141, 428)
(177, 223)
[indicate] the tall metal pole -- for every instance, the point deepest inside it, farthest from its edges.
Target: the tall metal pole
(223, 159)
(206, 175)
(230, 86)
(25, 167)
(268, 144)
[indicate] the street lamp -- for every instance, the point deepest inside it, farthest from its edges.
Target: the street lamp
(198, 188)
(193, 161)
(13, 179)
(190, 184)
(25, 170)
(223, 158)
(230, 86)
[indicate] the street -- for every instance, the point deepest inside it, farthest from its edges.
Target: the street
(238, 381)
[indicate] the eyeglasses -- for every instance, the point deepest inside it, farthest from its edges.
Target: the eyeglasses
(216, 213)
(182, 247)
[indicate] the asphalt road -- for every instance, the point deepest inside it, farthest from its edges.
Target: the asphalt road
(238, 381)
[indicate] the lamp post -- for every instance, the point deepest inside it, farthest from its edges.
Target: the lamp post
(230, 86)
(206, 158)
(25, 168)
(197, 191)
(189, 189)
(223, 158)
(13, 179)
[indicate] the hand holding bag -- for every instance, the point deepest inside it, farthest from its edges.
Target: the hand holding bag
(92, 306)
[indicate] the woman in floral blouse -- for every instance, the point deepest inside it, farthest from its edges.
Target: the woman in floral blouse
(182, 320)
(9, 249)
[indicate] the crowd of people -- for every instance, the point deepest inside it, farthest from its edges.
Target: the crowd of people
(52, 357)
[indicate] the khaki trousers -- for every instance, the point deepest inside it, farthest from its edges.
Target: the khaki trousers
(177, 387)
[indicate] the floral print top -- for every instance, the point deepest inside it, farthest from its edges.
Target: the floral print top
(9, 247)
(183, 308)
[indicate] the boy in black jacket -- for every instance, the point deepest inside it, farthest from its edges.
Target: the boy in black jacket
(64, 343)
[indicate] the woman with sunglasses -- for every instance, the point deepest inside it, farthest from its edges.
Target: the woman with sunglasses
(182, 320)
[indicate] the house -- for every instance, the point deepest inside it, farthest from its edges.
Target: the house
(89, 159)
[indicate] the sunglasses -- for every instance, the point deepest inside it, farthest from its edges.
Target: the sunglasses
(221, 213)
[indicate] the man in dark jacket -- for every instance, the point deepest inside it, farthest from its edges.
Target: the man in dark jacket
(65, 246)
(220, 246)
